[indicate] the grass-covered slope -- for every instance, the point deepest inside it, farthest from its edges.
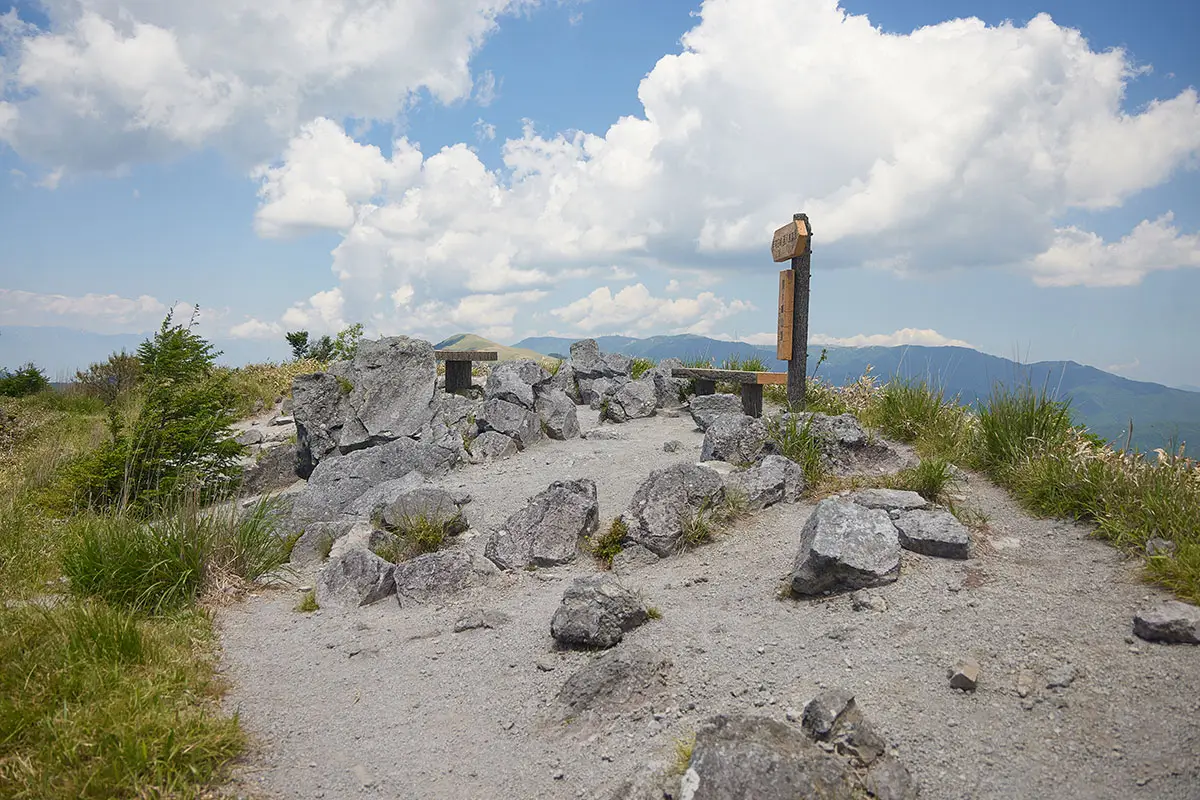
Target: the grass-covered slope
(469, 341)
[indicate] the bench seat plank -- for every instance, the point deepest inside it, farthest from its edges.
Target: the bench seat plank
(732, 375)
(466, 355)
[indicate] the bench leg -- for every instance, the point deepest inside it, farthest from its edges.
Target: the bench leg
(705, 386)
(752, 394)
(458, 376)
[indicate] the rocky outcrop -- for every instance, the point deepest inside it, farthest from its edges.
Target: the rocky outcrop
(557, 413)
(515, 381)
(843, 547)
(547, 531)
(773, 480)
(316, 540)
(631, 400)
(565, 379)
(357, 577)
(596, 611)
(385, 393)
(706, 408)
(659, 506)
(735, 438)
(758, 757)
(1171, 622)
(514, 421)
(933, 533)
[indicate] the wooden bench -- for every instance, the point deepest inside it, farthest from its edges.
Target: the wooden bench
(752, 384)
(458, 366)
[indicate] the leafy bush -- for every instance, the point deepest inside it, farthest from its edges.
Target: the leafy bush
(165, 565)
(108, 380)
(96, 702)
(640, 366)
(298, 340)
(27, 380)
(180, 438)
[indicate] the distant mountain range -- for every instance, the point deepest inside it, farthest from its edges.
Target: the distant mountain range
(1104, 402)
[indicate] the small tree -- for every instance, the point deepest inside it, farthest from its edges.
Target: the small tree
(110, 379)
(27, 380)
(321, 349)
(345, 347)
(299, 342)
(181, 436)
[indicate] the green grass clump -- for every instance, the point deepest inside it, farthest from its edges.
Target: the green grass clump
(745, 364)
(930, 478)
(97, 702)
(344, 386)
(605, 546)
(654, 612)
(795, 440)
(308, 602)
(700, 525)
(164, 565)
(640, 366)
(415, 534)
(684, 746)
(258, 386)
(1016, 423)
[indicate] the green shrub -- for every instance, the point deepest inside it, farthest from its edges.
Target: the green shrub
(605, 546)
(415, 535)
(166, 564)
(109, 380)
(179, 439)
(796, 441)
(27, 380)
(640, 366)
(96, 702)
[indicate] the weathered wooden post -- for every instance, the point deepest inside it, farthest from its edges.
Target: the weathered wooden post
(794, 242)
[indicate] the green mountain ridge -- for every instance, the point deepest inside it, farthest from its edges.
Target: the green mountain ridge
(1162, 416)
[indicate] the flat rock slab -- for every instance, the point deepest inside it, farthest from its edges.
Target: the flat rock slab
(623, 675)
(1172, 622)
(890, 499)
(933, 533)
(843, 547)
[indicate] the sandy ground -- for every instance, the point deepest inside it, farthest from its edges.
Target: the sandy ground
(388, 702)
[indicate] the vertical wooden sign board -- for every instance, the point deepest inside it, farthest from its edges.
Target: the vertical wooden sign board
(787, 298)
(794, 243)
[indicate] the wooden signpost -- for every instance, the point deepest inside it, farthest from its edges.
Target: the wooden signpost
(793, 242)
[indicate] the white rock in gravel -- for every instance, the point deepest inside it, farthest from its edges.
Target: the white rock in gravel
(845, 546)
(1172, 622)
(933, 533)
(631, 400)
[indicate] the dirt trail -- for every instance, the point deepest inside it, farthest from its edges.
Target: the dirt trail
(385, 702)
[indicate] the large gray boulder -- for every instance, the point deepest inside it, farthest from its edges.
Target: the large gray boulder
(659, 506)
(515, 381)
(491, 446)
(428, 503)
(273, 470)
(706, 408)
(435, 575)
(386, 392)
(1172, 622)
(514, 421)
(933, 533)
(741, 757)
(547, 530)
(667, 389)
(357, 577)
(564, 378)
(371, 503)
(623, 676)
(596, 611)
(843, 547)
(735, 438)
(557, 413)
(316, 540)
(631, 400)
(585, 355)
(338, 482)
(773, 480)
(457, 413)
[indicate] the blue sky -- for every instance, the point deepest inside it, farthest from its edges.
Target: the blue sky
(1023, 182)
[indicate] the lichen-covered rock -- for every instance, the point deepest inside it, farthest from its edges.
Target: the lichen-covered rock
(357, 577)
(933, 533)
(706, 408)
(773, 480)
(734, 438)
(843, 547)
(547, 531)
(596, 611)
(514, 421)
(557, 413)
(659, 506)
(631, 400)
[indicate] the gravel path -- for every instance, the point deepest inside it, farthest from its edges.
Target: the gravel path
(384, 702)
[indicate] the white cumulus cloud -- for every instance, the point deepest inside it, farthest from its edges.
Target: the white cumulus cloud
(97, 313)
(1081, 258)
(634, 309)
(917, 336)
(255, 329)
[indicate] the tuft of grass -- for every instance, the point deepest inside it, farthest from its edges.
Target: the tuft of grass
(745, 364)
(344, 386)
(1016, 423)
(97, 702)
(796, 441)
(324, 547)
(907, 408)
(684, 746)
(640, 366)
(654, 612)
(415, 535)
(308, 602)
(164, 565)
(605, 546)
(930, 478)
(259, 385)
(553, 365)
(700, 525)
